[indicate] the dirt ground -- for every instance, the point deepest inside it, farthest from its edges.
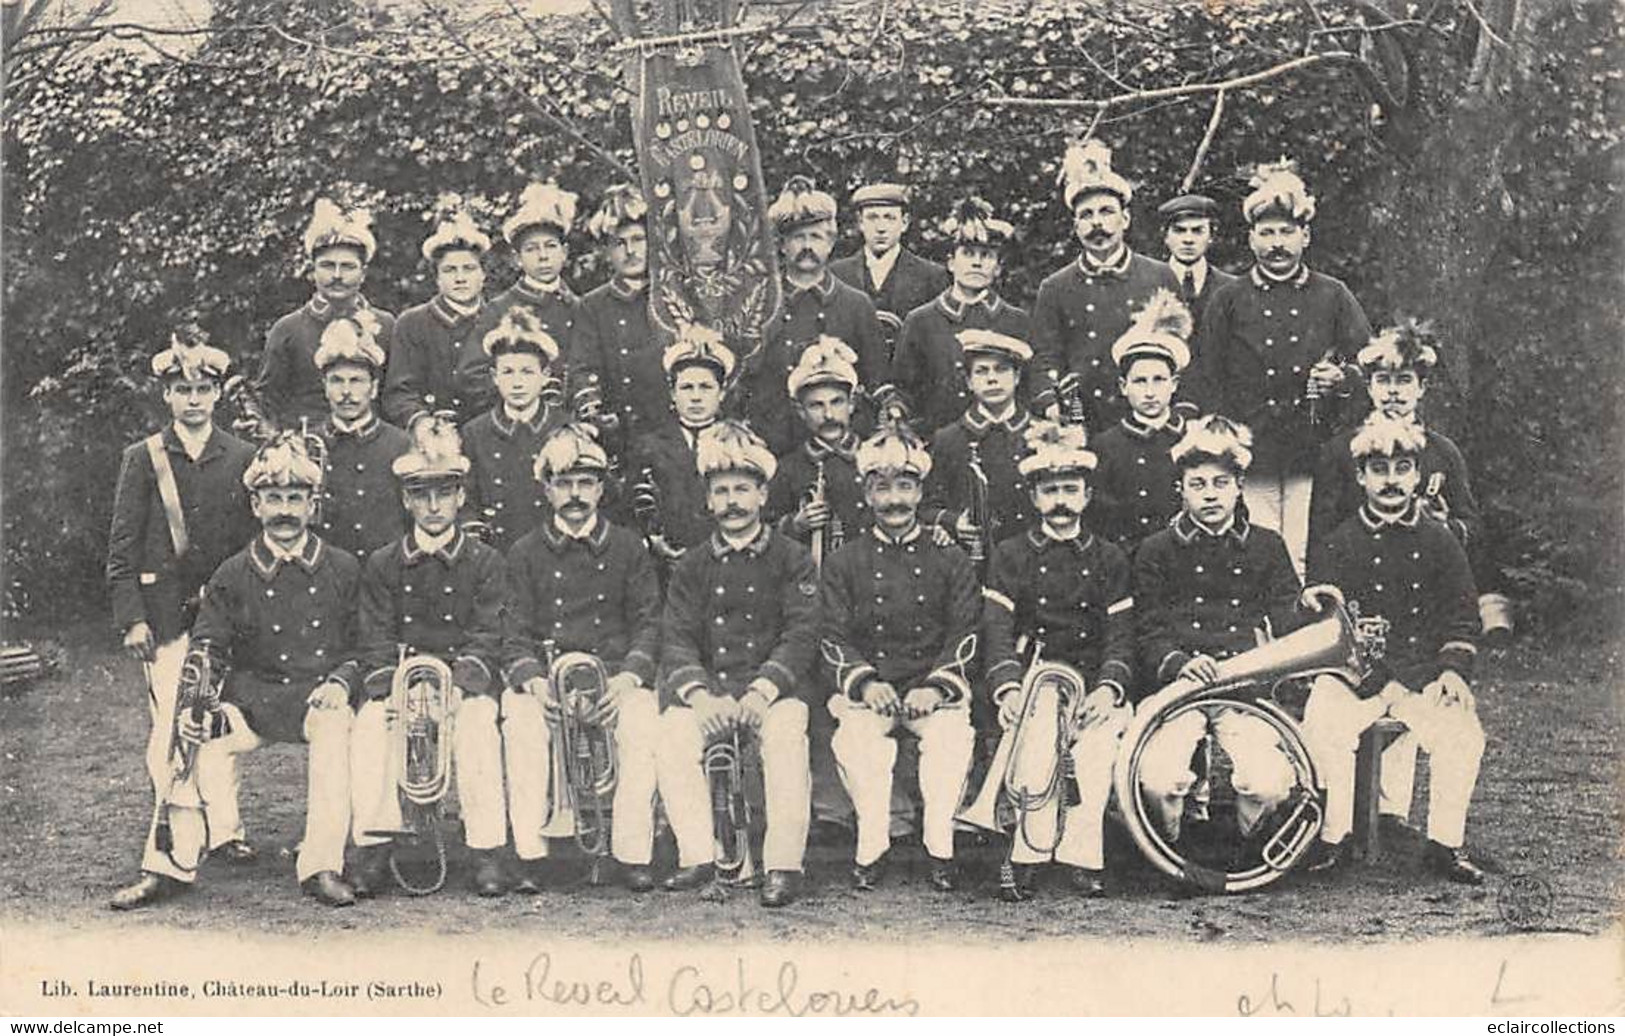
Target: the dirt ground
(75, 803)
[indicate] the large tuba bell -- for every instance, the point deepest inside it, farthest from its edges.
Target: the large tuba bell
(198, 695)
(1247, 684)
(422, 703)
(583, 775)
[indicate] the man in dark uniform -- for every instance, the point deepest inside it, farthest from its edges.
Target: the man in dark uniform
(1087, 305)
(817, 492)
(738, 639)
(1393, 563)
(897, 280)
(180, 509)
(432, 339)
(339, 245)
(280, 616)
(899, 638)
(1276, 352)
(357, 511)
(928, 368)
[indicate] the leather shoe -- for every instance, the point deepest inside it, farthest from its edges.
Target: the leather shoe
(688, 879)
(1016, 883)
(944, 875)
(638, 877)
(148, 889)
(780, 888)
(1453, 864)
(534, 876)
(866, 876)
(1088, 883)
(1327, 856)
(327, 887)
(370, 871)
(235, 851)
(488, 877)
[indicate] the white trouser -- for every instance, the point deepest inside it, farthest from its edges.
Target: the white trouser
(527, 742)
(327, 797)
(1083, 834)
(1398, 776)
(785, 778)
(1450, 734)
(224, 821)
(866, 753)
(1281, 502)
(476, 757)
(1261, 773)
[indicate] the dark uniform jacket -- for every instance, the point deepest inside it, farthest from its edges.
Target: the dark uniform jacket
(843, 491)
(288, 382)
(929, 368)
(598, 594)
(558, 313)
(912, 282)
(735, 615)
(617, 351)
(1412, 572)
(361, 498)
(901, 612)
(1200, 593)
(431, 343)
(1000, 446)
(447, 603)
(668, 456)
(1191, 386)
(1079, 313)
(282, 627)
(1259, 338)
(1135, 485)
(831, 307)
(149, 584)
(502, 486)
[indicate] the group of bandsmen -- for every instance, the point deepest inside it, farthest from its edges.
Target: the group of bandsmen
(1131, 479)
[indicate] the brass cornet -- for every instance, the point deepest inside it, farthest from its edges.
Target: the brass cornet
(583, 774)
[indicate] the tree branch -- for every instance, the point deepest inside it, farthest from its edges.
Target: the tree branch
(1207, 142)
(1240, 82)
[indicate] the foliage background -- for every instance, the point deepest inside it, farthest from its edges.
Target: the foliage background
(140, 192)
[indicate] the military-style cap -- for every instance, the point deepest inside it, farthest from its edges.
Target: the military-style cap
(1087, 169)
(1386, 436)
(352, 339)
(1278, 191)
(800, 204)
(1161, 328)
(1214, 439)
(519, 331)
(623, 206)
(573, 447)
(541, 205)
(1411, 344)
(331, 227)
(972, 223)
(895, 451)
(698, 344)
(827, 361)
(454, 228)
(975, 340)
(880, 194)
(729, 446)
(1056, 449)
(191, 358)
(1188, 205)
(436, 453)
(283, 462)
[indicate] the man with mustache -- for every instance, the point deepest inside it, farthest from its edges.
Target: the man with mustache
(1394, 563)
(180, 509)
(738, 638)
(928, 368)
(818, 486)
(357, 513)
(435, 591)
(1202, 587)
(1276, 352)
(578, 583)
(895, 278)
(338, 246)
(432, 339)
(899, 638)
(814, 303)
(1087, 305)
(1064, 592)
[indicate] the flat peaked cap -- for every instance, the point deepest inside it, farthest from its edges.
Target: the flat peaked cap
(880, 194)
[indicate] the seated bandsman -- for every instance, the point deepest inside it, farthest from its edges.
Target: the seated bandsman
(578, 583)
(433, 339)
(818, 492)
(669, 494)
(1136, 492)
(975, 491)
(899, 639)
(1065, 590)
(1392, 562)
(928, 367)
(358, 511)
(737, 643)
(436, 591)
(1202, 587)
(503, 442)
(280, 615)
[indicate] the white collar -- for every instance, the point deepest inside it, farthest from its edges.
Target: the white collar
(293, 553)
(351, 427)
(1077, 531)
(740, 543)
(586, 530)
(533, 285)
(1197, 270)
(880, 266)
(430, 544)
(525, 416)
(462, 310)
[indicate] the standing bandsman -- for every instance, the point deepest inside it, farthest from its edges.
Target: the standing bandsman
(280, 614)
(338, 245)
(928, 368)
(358, 511)
(1137, 484)
(616, 365)
(818, 491)
(1063, 588)
(433, 339)
(503, 442)
(899, 637)
(897, 280)
(1087, 305)
(738, 638)
(815, 303)
(1395, 564)
(436, 591)
(180, 509)
(1276, 349)
(538, 232)
(578, 583)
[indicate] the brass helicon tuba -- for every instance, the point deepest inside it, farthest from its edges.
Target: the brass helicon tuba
(583, 774)
(423, 701)
(197, 696)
